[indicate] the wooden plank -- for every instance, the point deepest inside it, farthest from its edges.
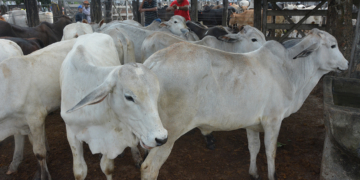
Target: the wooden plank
(225, 12)
(302, 20)
(264, 19)
(289, 26)
(296, 12)
(257, 14)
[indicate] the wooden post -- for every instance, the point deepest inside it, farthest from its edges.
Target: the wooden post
(225, 13)
(354, 71)
(136, 12)
(32, 13)
(264, 17)
(194, 10)
(257, 14)
(108, 11)
(95, 11)
(56, 10)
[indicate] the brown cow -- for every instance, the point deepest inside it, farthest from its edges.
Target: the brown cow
(2, 18)
(46, 32)
(27, 45)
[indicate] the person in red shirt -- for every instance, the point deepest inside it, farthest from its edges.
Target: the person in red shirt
(181, 8)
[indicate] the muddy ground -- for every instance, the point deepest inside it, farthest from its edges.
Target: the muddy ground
(302, 136)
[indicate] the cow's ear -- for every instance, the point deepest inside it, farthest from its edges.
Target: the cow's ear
(230, 38)
(163, 24)
(85, 21)
(96, 96)
(304, 48)
(101, 22)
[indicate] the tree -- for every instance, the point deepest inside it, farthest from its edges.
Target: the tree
(32, 13)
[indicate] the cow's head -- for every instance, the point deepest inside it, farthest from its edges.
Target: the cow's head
(176, 25)
(248, 39)
(324, 49)
(75, 30)
(132, 92)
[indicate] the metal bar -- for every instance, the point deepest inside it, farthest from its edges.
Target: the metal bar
(288, 26)
(301, 21)
(296, 12)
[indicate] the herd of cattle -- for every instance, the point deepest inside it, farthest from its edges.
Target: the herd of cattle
(120, 84)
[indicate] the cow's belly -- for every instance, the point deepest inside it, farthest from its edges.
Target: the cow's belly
(9, 127)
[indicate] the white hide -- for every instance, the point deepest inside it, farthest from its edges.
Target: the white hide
(9, 49)
(124, 98)
(247, 40)
(75, 30)
(30, 90)
(137, 35)
(220, 91)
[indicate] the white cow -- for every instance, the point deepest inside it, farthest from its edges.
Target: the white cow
(9, 49)
(220, 91)
(75, 30)
(125, 98)
(248, 39)
(137, 35)
(30, 89)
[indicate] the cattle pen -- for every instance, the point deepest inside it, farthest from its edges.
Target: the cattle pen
(266, 47)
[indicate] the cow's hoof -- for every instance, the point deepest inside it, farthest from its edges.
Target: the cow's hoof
(254, 178)
(10, 172)
(210, 141)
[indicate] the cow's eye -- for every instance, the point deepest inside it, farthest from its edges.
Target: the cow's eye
(253, 40)
(129, 98)
(333, 46)
(175, 21)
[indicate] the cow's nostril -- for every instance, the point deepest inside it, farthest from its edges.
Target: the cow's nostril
(160, 142)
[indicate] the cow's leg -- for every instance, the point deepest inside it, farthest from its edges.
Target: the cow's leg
(37, 129)
(107, 166)
(271, 129)
(18, 153)
(153, 162)
(79, 164)
(254, 147)
(136, 156)
(209, 138)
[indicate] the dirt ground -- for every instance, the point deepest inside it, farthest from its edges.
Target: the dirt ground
(299, 158)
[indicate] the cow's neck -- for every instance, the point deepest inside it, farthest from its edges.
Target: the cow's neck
(303, 75)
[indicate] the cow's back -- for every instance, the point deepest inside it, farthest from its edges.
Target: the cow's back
(9, 49)
(206, 77)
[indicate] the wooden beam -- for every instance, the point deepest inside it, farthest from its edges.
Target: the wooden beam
(194, 10)
(301, 21)
(225, 13)
(296, 12)
(257, 14)
(264, 17)
(289, 26)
